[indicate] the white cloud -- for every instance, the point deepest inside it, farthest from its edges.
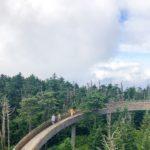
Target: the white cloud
(66, 37)
(117, 71)
(135, 48)
(136, 31)
(69, 37)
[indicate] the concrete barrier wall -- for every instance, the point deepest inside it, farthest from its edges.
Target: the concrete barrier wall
(34, 132)
(52, 131)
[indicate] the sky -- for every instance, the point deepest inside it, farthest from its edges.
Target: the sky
(81, 40)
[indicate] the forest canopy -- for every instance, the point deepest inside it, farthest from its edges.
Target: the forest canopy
(26, 102)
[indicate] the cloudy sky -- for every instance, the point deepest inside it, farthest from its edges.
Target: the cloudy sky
(81, 40)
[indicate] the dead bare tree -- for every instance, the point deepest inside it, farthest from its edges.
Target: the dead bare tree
(109, 140)
(6, 112)
(3, 124)
(9, 111)
(1, 140)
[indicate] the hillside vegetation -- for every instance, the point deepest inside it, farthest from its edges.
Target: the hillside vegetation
(28, 102)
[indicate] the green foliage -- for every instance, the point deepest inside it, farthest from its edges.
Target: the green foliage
(95, 138)
(94, 100)
(29, 111)
(125, 138)
(66, 145)
(143, 135)
(81, 140)
(36, 100)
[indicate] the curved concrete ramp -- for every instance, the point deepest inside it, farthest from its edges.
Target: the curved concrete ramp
(43, 136)
(40, 139)
(129, 105)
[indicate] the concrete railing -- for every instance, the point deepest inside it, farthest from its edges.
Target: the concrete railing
(31, 134)
(113, 107)
(35, 131)
(40, 139)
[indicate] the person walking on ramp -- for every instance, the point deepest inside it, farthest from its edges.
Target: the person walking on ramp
(53, 119)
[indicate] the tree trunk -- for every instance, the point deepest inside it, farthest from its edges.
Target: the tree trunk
(1, 140)
(8, 129)
(3, 124)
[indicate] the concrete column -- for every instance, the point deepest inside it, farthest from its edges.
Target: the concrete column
(45, 146)
(73, 136)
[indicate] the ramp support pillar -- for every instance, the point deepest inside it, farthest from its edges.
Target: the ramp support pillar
(73, 136)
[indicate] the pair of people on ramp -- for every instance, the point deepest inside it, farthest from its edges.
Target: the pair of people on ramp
(58, 118)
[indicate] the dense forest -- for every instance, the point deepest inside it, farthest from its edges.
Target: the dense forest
(28, 102)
